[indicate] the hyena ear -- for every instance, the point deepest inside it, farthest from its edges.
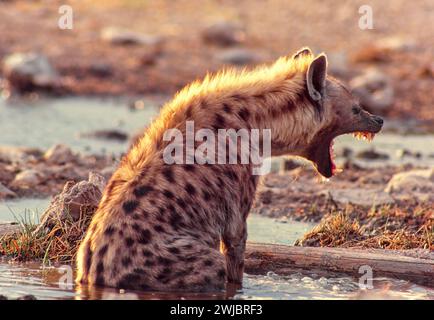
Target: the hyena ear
(302, 52)
(316, 77)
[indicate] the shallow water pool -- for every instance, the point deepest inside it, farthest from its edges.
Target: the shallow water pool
(49, 283)
(55, 282)
(51, 121)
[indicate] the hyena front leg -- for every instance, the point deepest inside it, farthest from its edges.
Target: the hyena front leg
(233, 245)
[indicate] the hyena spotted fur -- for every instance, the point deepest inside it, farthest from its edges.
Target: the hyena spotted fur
(182, 227)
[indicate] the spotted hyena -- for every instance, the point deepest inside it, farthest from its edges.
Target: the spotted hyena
(182, 227)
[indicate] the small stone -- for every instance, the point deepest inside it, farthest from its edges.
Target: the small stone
(6, 193)
(359, 196)
(59, 154)
(395, 44)
(402, 153)
(288, 165)
(101, 70)
(272, 275)
(27, 178)
(6, 173)
(375, 91)
(25, 71)
(426, 70)
(238, 56)
(371, 54)
(110, 134)
(283, 219)
(119, 36)
(137, 105)
(10, 154)
(413, 184)
(371, 154)
(27, 297)
(224, 34)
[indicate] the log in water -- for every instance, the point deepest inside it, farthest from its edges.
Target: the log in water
(281, 259)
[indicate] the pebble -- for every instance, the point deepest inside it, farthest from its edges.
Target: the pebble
(224, 34)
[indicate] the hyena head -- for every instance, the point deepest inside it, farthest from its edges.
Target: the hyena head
(338, 112)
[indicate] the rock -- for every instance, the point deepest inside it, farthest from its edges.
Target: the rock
(137, 104)
(395, 44)
(413, 183)
(426, 70)
(25, 71)
(27, 297)
(224, 34)
(10, 154)
(6, 174)
(110, 134)
(2, 297)
(28, 178)
(375, 91)
(59, 154)
(100, 70)
(65, 172)
(288, 165)
(381, 50)
(363, 197)
(371, 54)
(402, 153)
(149, 57)
(74, 202)
(119, 36)
(238, 56)
(371, 154)
(6, 193)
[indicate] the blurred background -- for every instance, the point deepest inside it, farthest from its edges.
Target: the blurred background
(130, 47)
(81, 79)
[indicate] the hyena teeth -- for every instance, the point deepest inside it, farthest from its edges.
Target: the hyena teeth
(367, 136)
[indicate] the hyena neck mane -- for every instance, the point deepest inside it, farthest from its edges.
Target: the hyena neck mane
(272, 97)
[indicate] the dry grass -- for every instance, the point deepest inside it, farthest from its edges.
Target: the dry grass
(337, 230)
(399, 226)
(59, 244)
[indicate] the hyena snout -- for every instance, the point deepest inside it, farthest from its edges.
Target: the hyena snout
(378, 120)
(371, 123)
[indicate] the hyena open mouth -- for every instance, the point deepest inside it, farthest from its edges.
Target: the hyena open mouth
(322, 154)
(359, 135)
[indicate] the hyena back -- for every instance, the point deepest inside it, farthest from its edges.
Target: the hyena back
(182, 227)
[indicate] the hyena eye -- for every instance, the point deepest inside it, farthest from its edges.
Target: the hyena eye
(357, 109)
